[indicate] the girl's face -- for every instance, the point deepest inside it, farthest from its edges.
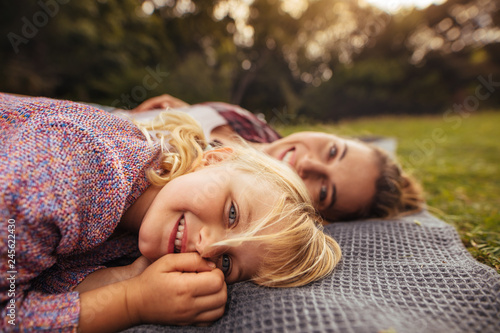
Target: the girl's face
(199, 209)
(340, 174)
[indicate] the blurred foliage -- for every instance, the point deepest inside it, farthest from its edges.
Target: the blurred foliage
(319, 59)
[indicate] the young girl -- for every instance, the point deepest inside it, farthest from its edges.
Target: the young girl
(82, 190)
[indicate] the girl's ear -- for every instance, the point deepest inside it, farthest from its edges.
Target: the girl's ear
(216, 155)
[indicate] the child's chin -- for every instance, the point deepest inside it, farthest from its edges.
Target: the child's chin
(148, 251)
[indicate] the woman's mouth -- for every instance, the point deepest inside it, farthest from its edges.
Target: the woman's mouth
(179, 236)
(288, 157)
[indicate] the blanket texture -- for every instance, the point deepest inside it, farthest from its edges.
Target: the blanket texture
(406, 275)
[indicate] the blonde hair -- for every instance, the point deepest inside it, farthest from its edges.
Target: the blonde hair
(185, 136)
(299, 252)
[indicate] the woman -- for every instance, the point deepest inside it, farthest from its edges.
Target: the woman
(347, 179)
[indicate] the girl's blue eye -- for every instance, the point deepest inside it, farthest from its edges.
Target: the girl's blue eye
(233, 215)
(332, 152)
(225, 265)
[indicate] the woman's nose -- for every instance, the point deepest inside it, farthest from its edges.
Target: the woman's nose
(309, 167)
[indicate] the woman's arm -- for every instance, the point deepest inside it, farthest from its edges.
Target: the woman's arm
(160, 102)
(179, 289)
(105, 276)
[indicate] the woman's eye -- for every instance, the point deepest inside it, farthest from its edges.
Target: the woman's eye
(323, 192)
(233, 215)
(225, 264)
(332, 152)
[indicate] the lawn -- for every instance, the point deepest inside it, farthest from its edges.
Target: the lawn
(457, 159)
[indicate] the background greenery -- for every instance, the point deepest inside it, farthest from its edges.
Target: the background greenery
(320, 59)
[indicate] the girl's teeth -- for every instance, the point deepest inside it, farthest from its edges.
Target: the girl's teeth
(178, 236)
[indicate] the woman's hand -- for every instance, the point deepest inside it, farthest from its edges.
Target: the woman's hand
(160, 102)
(105, 276)
(179, 289)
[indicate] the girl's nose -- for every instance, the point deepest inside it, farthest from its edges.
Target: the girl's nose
(208, 236)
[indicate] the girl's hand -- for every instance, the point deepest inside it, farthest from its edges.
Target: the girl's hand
(177, 289)
(160, 102)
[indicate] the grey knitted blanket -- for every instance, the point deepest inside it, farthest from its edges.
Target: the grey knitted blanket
(407, 275)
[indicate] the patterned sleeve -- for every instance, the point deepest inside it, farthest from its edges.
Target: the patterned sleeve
(30, 244)
(46, 175)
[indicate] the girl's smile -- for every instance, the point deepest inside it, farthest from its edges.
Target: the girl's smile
(194, 211)
(178, 237)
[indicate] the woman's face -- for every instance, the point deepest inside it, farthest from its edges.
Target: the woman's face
(196, 210)
(340, 174)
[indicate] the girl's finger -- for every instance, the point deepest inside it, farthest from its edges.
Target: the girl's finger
(206, 283)
(209, 308)
(185, 262)
(207, 317)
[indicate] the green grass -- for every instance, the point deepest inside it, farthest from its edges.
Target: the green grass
(457, 160)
